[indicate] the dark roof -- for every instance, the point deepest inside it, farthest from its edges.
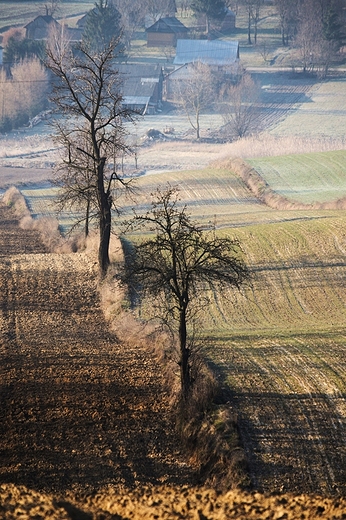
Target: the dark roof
(168, 25)
(140, 70)
(47, 18)
(139, 79)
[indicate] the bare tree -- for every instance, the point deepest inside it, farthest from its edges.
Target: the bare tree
(178, 266)
(132, 17)
(319, 36)
(253, 10)
(91, 130)
(197, 93)
(288, 15)
(239, 107)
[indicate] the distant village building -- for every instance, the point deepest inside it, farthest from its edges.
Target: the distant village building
(142, 86)
(221, 56)
(40, 27)
(216, 53)
(165, 32)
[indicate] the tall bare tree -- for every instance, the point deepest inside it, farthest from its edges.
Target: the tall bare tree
(87, 95)
(178, 266)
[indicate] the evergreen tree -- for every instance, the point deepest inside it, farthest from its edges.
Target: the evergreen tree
(332, 28)
(102, 26)
(212, 9)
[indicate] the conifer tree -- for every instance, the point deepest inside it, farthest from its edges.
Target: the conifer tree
(102, 26)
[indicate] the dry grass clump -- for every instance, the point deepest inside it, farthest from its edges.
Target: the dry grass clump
(266, 145)
(265, 194)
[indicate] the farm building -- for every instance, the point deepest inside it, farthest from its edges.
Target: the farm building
(142, 86)
(40, 27)
(216, 53)
(221, 56)
(166, 32)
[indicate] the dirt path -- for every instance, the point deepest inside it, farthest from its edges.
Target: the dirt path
(77, 409)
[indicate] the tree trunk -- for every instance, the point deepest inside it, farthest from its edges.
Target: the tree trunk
(87, 218)
(105, 204)
(184, 356)
(249, 29)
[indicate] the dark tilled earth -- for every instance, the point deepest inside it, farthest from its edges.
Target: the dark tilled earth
(85, 428)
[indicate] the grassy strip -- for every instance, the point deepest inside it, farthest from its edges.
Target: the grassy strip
(306, 178)
(265, 193)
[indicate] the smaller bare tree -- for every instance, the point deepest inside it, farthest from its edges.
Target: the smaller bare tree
(179, 266)
(197, 93)
(239, 107)
(87, 94)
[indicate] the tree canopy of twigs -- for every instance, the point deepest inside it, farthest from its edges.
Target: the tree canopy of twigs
(177, 267)
(90, 129)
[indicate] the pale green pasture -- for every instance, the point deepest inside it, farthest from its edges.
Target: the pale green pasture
(308, 178)
(323, 116)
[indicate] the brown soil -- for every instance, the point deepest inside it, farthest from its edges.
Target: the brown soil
(84, 421)
(77, 408)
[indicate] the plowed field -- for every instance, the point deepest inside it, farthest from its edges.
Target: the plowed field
(78, 410)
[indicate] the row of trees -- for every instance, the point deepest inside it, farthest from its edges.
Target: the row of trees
(181, 261)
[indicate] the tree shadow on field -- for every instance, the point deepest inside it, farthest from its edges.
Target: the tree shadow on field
(293, 442)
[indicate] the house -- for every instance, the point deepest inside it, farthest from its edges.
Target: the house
(142, 86)
(216, 53)
(40, 27)
(221, 56)
(165, 32)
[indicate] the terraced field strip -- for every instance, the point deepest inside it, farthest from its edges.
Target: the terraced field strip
(280, 96)
(41, 203)
(298, 277)
(308, 178)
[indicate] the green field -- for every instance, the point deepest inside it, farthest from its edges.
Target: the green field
(307, 178)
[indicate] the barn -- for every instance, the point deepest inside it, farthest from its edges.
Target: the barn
(165, 32)
(141, 86)
(40, 27)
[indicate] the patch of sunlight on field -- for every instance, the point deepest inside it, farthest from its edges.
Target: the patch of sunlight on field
(324, 115)
(308, 178)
